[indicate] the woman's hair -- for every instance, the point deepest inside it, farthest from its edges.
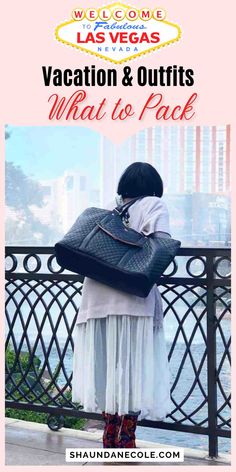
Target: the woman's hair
(140, 178)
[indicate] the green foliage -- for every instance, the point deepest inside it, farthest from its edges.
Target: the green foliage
(7, 132)
(24, 388)
(21, 191)
(74, 423)
(35, 417)
(23, 362)
(26, 415)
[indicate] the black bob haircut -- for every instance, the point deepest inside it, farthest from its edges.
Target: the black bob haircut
(139, 179)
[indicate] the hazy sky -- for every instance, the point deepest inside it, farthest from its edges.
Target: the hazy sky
(46, 152)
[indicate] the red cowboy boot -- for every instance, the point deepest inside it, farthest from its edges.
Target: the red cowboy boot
(125, 431)
(109, 433)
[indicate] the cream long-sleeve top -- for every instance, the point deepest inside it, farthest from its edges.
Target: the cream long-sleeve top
(146, 216)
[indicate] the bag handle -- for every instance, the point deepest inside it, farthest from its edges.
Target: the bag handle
(122, 209)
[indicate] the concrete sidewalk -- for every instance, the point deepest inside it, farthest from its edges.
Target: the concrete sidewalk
(35, 444)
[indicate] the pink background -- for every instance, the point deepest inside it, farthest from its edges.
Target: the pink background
(27, 30)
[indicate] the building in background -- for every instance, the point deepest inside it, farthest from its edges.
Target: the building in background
(194, 162)
(65, 198)
(189, 158)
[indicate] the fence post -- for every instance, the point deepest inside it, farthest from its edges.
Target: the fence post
(211, 359)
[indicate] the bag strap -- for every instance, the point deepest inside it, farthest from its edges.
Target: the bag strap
(121, 210)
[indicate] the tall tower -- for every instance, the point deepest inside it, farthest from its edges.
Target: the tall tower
(189, 158)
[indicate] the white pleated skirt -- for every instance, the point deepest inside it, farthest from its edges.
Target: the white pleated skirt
(120, 365)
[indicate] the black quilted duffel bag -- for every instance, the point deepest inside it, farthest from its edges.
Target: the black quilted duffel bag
(101, 247)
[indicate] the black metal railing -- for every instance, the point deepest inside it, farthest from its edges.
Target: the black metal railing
(42, 303)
